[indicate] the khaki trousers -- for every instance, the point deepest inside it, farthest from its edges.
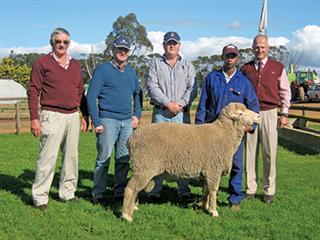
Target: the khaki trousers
(266, 133)
(58, 130)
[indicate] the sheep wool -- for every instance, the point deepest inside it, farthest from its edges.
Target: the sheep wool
(183, 151)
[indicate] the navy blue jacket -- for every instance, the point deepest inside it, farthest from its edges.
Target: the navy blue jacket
(217, 93)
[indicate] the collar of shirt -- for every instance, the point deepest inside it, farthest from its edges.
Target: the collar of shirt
(116, 65)
(164, 58)
(227, 77)
(263, 61)
(65, 66)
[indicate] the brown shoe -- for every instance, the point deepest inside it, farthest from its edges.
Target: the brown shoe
(42, 207)
(249, 196)
(235, 207)
(74, 199)
(268, 199)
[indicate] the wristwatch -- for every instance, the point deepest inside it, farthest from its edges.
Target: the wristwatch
(284, 114)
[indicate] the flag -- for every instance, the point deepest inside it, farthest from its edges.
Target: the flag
(263, 26)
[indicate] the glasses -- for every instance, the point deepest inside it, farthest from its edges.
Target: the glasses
(65, 42)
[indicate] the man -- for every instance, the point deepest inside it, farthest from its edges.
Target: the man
(170, 83)
(57, 79)
(271, 83)
(219, 89)
(113, 86)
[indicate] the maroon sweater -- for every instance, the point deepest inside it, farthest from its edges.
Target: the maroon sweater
(60, 89)
(266, 85)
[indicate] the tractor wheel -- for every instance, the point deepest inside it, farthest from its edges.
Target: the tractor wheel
(301, 94)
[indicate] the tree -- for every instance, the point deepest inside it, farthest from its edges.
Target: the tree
(129, 27)
(10, 70)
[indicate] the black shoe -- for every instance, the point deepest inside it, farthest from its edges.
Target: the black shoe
(118, 199)
(71, 200)
(186, 199)
(98, 201)
(268, 199)
(42, 207)
(249, 196)
(154, 199)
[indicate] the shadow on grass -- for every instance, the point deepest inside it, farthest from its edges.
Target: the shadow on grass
(18, 185)
(302, 150)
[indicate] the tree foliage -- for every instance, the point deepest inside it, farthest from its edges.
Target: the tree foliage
(18, 72)
(129, 27)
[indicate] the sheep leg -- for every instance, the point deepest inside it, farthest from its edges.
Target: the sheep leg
(135, 185)
(205, 202)
(128, 204)
(213, 187)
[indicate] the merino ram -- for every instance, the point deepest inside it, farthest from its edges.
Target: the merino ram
(186, 151)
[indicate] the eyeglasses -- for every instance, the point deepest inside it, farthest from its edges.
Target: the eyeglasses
(65, 42)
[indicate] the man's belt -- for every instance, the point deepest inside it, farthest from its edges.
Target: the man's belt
(161, 107)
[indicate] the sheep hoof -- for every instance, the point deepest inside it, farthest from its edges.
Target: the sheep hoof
(126, 217)
(214, 213)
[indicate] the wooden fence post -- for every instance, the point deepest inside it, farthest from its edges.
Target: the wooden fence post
(18, 119)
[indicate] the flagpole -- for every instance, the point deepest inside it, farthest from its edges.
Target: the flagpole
(263, 25)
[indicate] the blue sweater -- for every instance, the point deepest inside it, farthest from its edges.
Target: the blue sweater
(112, 90)
(217, 93)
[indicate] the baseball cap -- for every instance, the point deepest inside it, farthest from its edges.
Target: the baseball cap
(230, 48)
(171, 36)
(121, 42)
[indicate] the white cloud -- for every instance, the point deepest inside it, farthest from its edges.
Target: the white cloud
(305, 42)
(305, 46)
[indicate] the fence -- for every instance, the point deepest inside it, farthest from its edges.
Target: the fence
(14, 118)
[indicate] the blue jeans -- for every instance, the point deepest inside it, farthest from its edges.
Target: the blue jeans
(160, 115)
(116, 134)
(235, 180)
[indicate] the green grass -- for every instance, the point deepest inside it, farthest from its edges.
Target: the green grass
(293, 215)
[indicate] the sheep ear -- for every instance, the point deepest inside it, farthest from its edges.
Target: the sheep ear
(236, 116)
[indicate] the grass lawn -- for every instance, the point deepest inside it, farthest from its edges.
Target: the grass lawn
(293, 215)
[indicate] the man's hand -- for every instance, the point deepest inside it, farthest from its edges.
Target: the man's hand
(35, 127)
(248, 129)
(283, 121)
(174, 107)
(84, 123)
(134, 122)
(99, 129)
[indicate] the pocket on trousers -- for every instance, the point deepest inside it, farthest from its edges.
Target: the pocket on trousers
(48, 122)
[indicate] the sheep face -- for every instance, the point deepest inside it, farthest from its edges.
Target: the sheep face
(238, 112)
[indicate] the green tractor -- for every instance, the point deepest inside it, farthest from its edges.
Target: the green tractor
(300, 82)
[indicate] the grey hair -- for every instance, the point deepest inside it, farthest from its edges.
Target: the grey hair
(57, 31)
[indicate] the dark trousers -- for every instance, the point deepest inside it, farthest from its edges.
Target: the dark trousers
(235, 180)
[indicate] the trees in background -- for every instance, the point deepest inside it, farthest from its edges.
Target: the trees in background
(9, 69)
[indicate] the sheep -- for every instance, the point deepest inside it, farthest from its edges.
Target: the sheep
(186, 151)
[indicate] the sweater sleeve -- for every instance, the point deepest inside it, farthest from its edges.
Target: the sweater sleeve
(92, 95)
(34, 90)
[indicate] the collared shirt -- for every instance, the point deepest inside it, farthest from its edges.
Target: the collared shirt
(167, 83)
(65, 66)
(117, 66)
(284, 87)
(227, 77)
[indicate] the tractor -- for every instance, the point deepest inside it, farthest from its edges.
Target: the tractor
(300, 82)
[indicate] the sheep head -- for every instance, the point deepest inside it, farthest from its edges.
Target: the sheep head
(238, 113)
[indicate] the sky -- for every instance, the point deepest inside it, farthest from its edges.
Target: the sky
(205, 26)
